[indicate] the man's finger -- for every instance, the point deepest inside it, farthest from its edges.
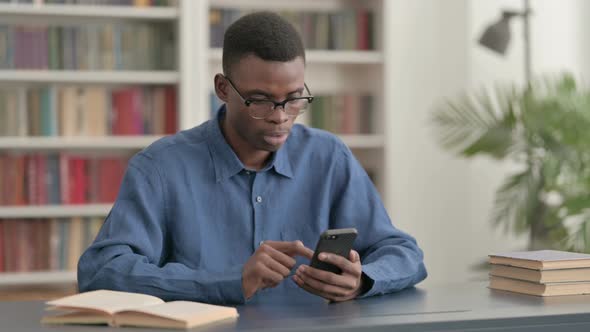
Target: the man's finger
(344, 264)
(307, 288)
(292, 248)
(276, 266)
(277, 255)
(343, 281)
(354, 256)
(271, 278)
(324, 289)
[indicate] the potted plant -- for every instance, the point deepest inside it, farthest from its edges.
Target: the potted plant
(544, 129)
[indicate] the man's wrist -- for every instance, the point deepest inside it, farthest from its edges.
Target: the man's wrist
(366, 284)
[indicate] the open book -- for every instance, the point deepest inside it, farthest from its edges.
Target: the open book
(132, 309)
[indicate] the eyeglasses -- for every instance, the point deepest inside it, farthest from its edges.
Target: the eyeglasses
(262, 108)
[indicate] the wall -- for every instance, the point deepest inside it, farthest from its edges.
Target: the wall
(430, 192)
(442, 200)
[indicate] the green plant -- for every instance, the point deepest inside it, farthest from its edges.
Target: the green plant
(545, 130)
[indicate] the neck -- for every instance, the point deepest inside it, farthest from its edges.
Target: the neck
(251, 158)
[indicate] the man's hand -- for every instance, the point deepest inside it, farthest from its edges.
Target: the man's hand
(271, 263)
(331, 286)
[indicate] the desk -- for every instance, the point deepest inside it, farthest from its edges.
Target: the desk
(456, 307)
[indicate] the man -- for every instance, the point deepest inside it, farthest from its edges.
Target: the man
(229, 210)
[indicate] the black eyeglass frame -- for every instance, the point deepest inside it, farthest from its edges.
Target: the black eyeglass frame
(249, 101)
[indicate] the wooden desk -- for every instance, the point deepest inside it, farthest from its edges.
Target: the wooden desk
(464, 307)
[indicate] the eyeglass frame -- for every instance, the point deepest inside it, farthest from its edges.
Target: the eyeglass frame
(248, 101)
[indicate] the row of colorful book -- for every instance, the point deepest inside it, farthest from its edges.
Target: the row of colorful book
(346, 29)
(87, 111)
(343, 114)
(40, 179)
(137, 3)
(112, 46)
(541, 272)
(45, 244)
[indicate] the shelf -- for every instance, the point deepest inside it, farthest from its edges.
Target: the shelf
(363, 141)
(326, 57)
(65, 143)
(72, 76)
(85, 11)
(299, 5)
(55, 211)
(44, 277)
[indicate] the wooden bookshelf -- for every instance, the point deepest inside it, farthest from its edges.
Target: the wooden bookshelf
(326, 57)
(54, 211)
(89, 77)
(28, 11)
(28, 278)
(77, 143)
(363, 141)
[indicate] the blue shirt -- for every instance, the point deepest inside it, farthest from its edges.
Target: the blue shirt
(189, 215)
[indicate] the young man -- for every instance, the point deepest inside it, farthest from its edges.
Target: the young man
(229, 209)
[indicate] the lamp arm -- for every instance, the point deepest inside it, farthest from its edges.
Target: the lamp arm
(527, 43)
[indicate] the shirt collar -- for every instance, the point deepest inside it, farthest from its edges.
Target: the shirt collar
(227, 163)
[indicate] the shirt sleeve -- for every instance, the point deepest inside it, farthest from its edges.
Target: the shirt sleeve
(391, 259)
(131, 250)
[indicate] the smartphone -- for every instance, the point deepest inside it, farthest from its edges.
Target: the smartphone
(336, 241)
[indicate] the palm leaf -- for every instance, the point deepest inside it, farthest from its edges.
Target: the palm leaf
(481, 124)
(517, 200)
(546, 129)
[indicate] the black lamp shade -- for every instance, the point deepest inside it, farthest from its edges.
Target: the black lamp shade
(497, 36)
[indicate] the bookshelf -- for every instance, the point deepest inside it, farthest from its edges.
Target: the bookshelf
(350, 71)
(325, 57)
(55, 211)
(78, 143)
(28, 278)
(89, 77)
(77, 218)
(19, 11)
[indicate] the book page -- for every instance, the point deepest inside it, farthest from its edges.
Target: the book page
(184, 311)
(106, 301)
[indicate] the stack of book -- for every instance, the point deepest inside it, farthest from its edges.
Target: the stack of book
(541, 273)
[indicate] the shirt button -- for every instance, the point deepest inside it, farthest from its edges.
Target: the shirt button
(259, 199)
(248, 172)
(261, 242)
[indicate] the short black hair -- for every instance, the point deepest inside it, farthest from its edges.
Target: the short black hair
(264, 34)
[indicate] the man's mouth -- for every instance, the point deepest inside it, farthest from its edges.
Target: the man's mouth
(276, 138)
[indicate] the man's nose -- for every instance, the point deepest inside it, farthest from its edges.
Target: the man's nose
(278, 115)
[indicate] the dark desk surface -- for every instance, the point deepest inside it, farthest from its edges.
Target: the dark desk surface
(464, 307)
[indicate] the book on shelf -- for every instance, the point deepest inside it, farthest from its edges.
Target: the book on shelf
(91, 46)
(135, 3)
(539, 289)
(343, 114)
(344, 29)
(64, 178)
(116, 308)
(542, 259)
(541, 276)
(90, 111)
(28, 245)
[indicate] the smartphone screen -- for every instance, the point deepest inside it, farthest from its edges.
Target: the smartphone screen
(336, 241)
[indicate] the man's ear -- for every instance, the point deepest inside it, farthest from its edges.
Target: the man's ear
(221, 87)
